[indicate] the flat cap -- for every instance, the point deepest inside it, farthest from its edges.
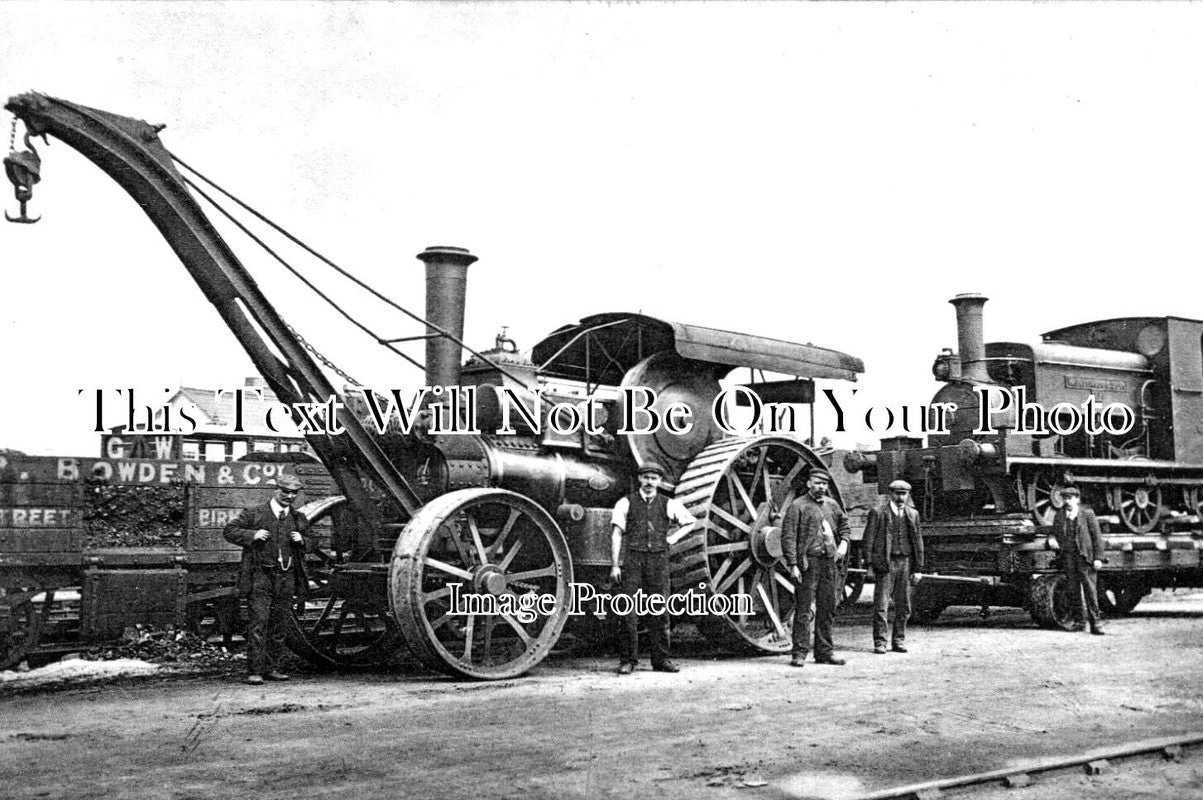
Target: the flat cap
(900, 486)
(1072, 491)
(652, 467)
(289, 481)
(819, 472)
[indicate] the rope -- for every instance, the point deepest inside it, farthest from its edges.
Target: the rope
(361, 284)
(305, 281)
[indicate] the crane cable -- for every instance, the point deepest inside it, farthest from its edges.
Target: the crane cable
(370, 289)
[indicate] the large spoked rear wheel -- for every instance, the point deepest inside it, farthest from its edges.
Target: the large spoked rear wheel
(739, 489)
(479, 583)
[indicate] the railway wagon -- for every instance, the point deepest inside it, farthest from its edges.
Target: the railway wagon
(92, 546)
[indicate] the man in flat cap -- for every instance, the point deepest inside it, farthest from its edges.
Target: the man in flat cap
(1076, 534)
(894, 541)
(814, 536)
(272, 569)
(644, 524)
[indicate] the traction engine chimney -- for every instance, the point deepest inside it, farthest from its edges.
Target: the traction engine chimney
(446, 289)
(970, 338)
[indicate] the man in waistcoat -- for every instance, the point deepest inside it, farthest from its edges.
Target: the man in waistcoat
(814, 537)
(894, 541)
(644, 524)
(272, 569)
(1076, 534)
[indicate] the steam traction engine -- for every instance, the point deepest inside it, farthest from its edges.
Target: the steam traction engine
(500, 515)
(989, 491)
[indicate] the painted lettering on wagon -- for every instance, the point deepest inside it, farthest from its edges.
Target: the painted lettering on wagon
(37, 517)
(152, 472)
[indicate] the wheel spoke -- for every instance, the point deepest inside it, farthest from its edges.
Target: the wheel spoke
(509, 557)
(517, 626)
(770, 608)
(726, 515)
(722, 570)
(323, 616)
(443, 566)
(781, 579)
(758, 472)
(480, 546)
(454, 535)
(499, 543)
(734, 482)
(468, 629)
(736, 574)
(733, 547)
(787, 483)
(544, 572)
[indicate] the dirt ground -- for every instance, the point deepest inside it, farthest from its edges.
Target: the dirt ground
(972, 695)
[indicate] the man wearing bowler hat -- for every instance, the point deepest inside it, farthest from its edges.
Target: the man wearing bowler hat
(814, 537)
(1076, 534)
(272, 570)
(644, 524)
(894, 541)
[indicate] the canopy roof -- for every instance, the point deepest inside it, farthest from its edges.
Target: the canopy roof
(603, 347)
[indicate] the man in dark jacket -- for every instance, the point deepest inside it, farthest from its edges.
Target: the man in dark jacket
(1076, 534)
(814, 537)
(894, 541)
(273, 558)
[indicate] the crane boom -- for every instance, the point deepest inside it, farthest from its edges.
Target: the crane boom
(130, 152)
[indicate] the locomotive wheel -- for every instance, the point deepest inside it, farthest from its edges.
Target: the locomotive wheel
(491, 546)
(1119, 601)
(853, 583)
(1041, 497)
(1139, 507)
(1048, 596)
(20, 621)
(739, 489)
(927, 604)
(343, 622)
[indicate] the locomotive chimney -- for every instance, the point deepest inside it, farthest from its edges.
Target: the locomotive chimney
(970, 339)
(446, 288)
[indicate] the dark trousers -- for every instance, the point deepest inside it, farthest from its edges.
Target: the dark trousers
(649, 572)
(268, 604)
(1082, 579)
(892, 587)
(814, 608)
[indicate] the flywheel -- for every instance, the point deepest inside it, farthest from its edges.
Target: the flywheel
(739, 490)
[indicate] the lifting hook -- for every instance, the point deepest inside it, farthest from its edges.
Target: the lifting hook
(24, 169)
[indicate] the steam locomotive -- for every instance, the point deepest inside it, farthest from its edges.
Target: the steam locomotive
(1114, 407)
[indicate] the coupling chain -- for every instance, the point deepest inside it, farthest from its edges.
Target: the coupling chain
(325, 361)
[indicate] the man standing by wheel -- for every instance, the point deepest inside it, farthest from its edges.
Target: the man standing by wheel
(894, 541)
(644, 524)
(1076, 534)
(273, 559)
(814, 537)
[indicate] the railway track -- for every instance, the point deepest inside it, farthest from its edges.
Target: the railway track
(1093, 762)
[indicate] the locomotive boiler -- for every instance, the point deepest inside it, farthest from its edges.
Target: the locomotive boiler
(1114, 407)
(428, 514)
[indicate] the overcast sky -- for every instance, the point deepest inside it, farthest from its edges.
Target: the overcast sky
(827, 173)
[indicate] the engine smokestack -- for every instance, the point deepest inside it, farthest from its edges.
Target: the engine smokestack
(970, 338)
(446, 290)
